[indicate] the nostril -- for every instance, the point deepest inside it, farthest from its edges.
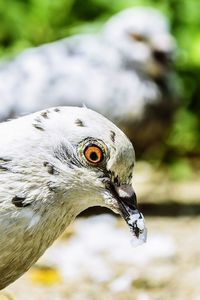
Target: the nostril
(127, 195)
(124, 194)
(130, 202)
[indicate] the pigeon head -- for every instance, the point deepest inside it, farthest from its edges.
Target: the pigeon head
(142, 36)
(76, 159)
(97, 164)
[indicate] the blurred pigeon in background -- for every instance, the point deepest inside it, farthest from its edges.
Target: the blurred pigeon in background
(124, 72)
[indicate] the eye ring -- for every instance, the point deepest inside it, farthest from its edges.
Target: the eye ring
(93, 154)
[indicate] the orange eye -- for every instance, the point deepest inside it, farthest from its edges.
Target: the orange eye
(93, 154)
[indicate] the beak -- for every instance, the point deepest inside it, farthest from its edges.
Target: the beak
(163, 47)
(127, 202)
(162, 57)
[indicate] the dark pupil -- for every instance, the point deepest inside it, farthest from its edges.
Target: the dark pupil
(93, 156)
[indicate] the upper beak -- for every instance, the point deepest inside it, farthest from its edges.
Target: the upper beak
(128, 209)
(162, 57)
(163, 47)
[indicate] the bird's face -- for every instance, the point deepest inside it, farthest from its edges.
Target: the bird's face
(101, 167)
(142, 35)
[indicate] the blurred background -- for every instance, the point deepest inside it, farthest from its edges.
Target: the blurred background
(94, 259)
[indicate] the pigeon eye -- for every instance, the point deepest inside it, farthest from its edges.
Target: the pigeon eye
(93, 154)
(137, 37)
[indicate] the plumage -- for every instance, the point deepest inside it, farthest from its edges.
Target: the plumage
(122, 72)
(48, 176)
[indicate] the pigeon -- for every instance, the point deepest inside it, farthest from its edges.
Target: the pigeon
(123, 72)
(54, 164)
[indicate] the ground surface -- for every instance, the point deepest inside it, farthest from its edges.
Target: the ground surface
(94, 260)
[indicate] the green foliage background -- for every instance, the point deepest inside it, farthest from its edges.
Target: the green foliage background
(26, 23)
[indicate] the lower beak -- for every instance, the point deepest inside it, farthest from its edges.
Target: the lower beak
(128, 209)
